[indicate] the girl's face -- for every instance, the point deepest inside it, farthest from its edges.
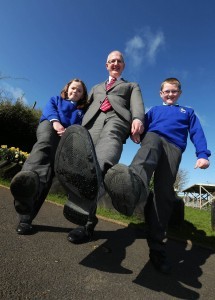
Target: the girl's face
(75, 91)
(170, 93)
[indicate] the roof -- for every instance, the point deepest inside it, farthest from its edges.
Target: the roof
(196, 188)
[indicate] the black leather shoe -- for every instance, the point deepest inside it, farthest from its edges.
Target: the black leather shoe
(24, 228)
(77, 169)
(124, 188)
(82, 234)
(24, 187)
(160, 261)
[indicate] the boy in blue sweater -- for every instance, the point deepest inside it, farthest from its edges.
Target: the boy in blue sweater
(164, 140)
(31, 185)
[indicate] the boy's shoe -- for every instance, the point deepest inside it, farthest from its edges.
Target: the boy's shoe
(24, 228)
(78, 171)
(24, 187)
(160, 261)
(82, 234)
(125, 188)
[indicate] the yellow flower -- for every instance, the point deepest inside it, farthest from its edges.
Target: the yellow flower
(13, 154)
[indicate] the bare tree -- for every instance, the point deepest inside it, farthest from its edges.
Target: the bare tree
(181, 179)
(10, 77)
(4, 94)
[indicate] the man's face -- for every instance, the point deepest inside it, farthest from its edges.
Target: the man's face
(115, 64)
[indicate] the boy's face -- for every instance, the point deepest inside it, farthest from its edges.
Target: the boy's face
(170, 93)
(75, 91)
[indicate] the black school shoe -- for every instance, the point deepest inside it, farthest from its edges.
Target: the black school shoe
(78, 171)
(160, 261)
(83, 234)
(124, 188)
(24, 228)
(24, 187)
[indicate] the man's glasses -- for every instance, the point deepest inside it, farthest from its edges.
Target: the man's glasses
(167, 92)
(112, 61)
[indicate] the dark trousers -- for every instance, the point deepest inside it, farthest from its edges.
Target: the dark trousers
(41, 161)
(109, 132)
(159, 157)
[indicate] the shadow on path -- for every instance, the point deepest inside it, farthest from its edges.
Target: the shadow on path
(186, 261)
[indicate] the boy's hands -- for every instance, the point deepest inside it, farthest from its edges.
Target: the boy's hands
(58, 127)
(137, 129)
(135, 138)
(202, 163)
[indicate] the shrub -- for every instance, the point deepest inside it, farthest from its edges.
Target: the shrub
(20, 123)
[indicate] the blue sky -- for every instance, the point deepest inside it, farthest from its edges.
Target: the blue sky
(45, 43)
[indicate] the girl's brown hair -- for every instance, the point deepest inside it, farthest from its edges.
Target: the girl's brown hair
(82, 103)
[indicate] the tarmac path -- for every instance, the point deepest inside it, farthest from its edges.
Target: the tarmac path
(114, 265)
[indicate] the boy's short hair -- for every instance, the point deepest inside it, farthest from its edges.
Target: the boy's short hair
(171, 80)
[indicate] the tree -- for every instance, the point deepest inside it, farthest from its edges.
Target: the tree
(181, 179)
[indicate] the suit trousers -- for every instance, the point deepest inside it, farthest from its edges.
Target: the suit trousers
(160, 158)
(41, 161)
(109, 132)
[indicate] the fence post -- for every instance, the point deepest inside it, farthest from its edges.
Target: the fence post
(213, 214)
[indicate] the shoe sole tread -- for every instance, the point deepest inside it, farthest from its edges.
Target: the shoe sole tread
(120, 186)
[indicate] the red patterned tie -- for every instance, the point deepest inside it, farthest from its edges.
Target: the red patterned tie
(106, 106)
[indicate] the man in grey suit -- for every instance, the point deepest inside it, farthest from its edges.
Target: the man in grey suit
(115, 111)
(109, 130)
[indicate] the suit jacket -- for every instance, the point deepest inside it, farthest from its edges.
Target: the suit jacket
(125, 98)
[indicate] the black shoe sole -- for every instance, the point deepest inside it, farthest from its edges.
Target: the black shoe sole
(124, 192)
(24, 184)
(78, 171)
(24, 187)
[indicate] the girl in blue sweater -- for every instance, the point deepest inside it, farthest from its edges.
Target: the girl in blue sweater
(31, 185)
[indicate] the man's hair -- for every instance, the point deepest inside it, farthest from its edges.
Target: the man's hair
(113, 52)
(171, 80)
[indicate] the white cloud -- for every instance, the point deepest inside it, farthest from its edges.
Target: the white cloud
(154, 43)
(13, 92)
(144, 47)
(134, 50)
